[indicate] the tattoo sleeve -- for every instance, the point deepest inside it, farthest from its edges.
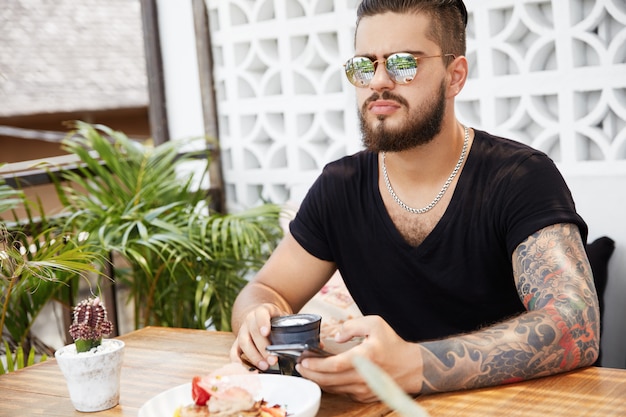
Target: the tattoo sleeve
(559, 332)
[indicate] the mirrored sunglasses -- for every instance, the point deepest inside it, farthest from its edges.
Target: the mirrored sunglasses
(401, 68)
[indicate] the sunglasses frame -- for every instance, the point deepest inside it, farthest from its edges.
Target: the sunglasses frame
(384, 61)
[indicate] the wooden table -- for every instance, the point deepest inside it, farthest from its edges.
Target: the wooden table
(157, 359)
(585, 392)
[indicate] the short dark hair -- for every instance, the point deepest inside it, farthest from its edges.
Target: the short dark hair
(448, 19)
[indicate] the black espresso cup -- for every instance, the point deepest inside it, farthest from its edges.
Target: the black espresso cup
(294, 329)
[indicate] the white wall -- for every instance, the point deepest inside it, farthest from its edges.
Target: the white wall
(180, 68)
(183, 95)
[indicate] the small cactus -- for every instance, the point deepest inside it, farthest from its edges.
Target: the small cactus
(89, 324)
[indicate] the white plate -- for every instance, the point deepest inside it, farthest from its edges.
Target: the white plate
(299, 396)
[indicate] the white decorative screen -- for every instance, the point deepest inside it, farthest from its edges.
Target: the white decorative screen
(550, 73)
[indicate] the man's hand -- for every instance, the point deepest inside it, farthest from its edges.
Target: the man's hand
(253, 337)
(336, 374)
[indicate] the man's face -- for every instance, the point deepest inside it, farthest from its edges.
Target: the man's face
(396, 117)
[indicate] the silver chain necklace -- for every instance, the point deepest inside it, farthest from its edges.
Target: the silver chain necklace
(433, 203)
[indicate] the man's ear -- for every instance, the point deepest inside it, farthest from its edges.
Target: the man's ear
(457, 71)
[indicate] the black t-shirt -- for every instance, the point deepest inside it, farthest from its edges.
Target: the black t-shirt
(460, 278)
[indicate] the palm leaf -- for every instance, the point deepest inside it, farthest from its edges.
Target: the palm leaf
(9, 197)
(33, 272)
(186, 264)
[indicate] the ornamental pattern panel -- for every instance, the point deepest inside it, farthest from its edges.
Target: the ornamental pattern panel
(550, 73)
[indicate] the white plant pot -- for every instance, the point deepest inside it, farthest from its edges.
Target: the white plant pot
(93, 378)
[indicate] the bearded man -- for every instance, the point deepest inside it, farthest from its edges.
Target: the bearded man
(463, 250)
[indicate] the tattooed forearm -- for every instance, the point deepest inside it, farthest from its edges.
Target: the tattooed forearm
(559, 332)
(554, 275)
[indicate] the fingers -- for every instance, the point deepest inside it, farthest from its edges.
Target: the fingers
(346, 382)
(253, 337)
(252, 341)
(359, 327)
(235, 352)
(369, 333)
(376, 339)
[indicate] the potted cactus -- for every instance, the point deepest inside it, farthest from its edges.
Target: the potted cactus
(89, 324)
(91, 365)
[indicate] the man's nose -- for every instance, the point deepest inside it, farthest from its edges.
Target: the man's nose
(381, 80)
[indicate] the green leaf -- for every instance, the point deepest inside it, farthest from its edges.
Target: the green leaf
(19, 357)
(9, 355)
(31, 357)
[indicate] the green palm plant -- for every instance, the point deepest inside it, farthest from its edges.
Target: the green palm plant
(33, 271)
(185, 263)
(35, 268)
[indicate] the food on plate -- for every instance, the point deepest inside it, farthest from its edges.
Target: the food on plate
(230, 391)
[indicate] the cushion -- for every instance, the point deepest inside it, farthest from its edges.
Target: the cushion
(599, 253)
(335, 304)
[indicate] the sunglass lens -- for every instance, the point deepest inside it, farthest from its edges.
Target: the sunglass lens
(401, 67)
(360, 71)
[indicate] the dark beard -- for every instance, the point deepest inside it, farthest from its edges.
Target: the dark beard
(421, 127)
